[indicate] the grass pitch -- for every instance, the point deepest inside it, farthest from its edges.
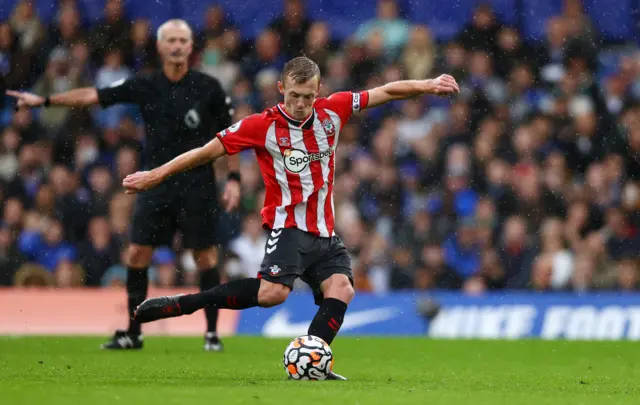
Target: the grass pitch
(56, 370)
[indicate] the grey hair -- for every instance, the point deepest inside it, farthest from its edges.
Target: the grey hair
(175, 21)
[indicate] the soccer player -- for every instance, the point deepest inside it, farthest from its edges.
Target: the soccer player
(295, 143)
(181, 108)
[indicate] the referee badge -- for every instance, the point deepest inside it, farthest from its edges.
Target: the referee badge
(192, 118)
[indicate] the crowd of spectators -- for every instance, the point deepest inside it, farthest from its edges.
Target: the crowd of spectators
(530, 179)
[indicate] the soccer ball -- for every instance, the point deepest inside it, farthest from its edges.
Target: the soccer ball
(308, 358)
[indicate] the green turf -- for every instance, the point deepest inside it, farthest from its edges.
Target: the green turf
(52, 370)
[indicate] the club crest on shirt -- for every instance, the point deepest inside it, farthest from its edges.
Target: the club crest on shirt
(284, 141)
(328, 127)
(274, 269)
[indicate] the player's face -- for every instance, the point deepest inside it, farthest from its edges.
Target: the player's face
(299, 97)
(175, 45)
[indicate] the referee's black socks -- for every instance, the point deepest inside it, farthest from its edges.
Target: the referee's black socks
(328, 319)
(237, 294)
(137, 286)
(209, 279)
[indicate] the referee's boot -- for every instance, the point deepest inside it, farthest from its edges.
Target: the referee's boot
(122, 340)
(212, 342)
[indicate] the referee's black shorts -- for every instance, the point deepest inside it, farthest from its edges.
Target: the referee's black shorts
(193, 210)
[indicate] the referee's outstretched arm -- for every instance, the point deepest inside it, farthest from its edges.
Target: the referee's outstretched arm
(83, 97)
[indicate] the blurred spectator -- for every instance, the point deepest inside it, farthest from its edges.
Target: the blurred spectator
(10, 256)
(215, 25)
(27, 25)
(47, 246)
(99, 251)
(517, 255)
(56, 79)
(628, 277)
(318, 45)
(419, 54)
(267, 55)
(292, 27)
(141, 54)
(14, 63)
(393, 30)
(112, 32)
(65, 30)
(164, 266)
(8, 159)
(481, 33)
(434, 272)
(528, 180)
(32, 275)
(214, 62)
(461, 250)
(249, 246)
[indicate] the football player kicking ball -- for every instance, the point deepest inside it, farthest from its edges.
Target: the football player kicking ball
(294, 142)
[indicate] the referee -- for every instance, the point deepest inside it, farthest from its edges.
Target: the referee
(181, 108)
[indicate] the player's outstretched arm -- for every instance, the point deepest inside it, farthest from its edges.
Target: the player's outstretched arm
(145, 180)
(442, 86)
(82, 97)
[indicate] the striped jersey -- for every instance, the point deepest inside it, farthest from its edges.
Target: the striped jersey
(297, 160)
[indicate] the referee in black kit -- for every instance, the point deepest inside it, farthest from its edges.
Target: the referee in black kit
(182, 109)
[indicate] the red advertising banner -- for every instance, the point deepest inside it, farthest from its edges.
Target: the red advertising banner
(91, 312)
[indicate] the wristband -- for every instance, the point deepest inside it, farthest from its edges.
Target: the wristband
(234, 176)
(47, 101)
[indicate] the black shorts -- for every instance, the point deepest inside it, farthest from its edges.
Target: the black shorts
(157, 217)
(291, 253)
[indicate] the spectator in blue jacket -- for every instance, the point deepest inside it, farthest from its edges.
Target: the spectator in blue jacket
(48, 247)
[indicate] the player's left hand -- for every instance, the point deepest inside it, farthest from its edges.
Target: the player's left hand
(443, 85)
(231, 195)
(141, 181)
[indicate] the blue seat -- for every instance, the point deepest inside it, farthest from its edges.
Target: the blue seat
(344, 17)
(535, 14)
(446, 18)
(6, 7)
(614, 20)
(156, 11)
(252, 17)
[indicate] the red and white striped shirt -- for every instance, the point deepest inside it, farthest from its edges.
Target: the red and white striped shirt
(296, 160)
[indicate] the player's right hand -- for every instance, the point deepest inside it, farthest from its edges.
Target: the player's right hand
(141, 181)
(26, 99)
